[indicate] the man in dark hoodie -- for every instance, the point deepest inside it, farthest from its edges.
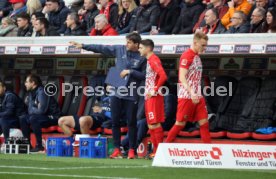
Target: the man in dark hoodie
(57, 14)
(43, 111)
(239, 23)
(11, 109)
(169, 12)
(129, 64)
(73, 26)
(88, 15)
(25, 29)
(257, 20)
(147, 15)
(189, 15)
(42, 28)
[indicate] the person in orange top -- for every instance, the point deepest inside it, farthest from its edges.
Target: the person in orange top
(235, 5)
(102, 27)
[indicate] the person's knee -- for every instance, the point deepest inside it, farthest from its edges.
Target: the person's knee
(85, 122)
(61, 121)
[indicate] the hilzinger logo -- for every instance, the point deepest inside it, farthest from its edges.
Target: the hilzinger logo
(215, 153)
(252, 154)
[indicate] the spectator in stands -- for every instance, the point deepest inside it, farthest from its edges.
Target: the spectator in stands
(25, 29)
(213, 24)
(34, 17)
(257, 20)
(270, 23)
(8, 28)
(235, 5)
(42, 28)
(102, 27)
(57, 13)
(146, 17)
(259, 3)
(110, 10)
(88, 15)
(12, 108)
(131, 64)
(73, 26)
(239, 23)
(101, 112)
(188, 17)
(33, 6)
(18, 7)
(219, 5)
(169, 12)
(43, 111)
(4, 8)
(127, 9)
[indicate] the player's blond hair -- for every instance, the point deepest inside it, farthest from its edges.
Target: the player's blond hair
(200, 35)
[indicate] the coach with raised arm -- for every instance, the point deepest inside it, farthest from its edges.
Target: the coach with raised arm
(11, 109)
(130, 65)
(43, 111)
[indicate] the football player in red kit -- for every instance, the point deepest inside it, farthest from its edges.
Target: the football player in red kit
(154, 101)
(191, 104)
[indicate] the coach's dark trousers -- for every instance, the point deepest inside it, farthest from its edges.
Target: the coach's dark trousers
(6, 124)
(35, 122)
(123, 108)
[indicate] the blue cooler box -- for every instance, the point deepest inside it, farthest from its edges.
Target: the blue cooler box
(59, 147)
(93, 147)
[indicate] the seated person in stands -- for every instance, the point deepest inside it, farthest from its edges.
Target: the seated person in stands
(8, 28)
(235, 5)
(43, 111)
(219, 5)
(88, 15)
(147, 15)
(110, 10)
(43, 28)
(73, 26)
(188, 17)
(259, 3)
(4, 8)
(169, 12)
(100, 113)
(270, 23)
(239, 24)
(11, 109)
(57, 13)
(25, 29)
(127, 9)
(213, 24)
(34, 17)
(257, 20)
(102, 27)
(18, 7)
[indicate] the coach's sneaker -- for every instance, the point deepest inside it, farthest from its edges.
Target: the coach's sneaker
(150, 156)
(131, 154)
(116, 154)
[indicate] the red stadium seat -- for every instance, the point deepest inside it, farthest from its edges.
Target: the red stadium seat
(264, 136)
(109, 131)
(194, 133)
(244, 135)
(57, 81)
(13, 83)
(96, 131)
(49, 129)
(217, 135)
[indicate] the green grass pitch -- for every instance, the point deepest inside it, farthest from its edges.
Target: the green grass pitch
(39, 166)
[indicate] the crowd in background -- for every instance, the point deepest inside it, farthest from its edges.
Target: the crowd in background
(27, 18)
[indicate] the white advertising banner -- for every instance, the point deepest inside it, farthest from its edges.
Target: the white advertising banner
(216, 156)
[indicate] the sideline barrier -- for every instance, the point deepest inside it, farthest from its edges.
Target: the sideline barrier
(216, 156)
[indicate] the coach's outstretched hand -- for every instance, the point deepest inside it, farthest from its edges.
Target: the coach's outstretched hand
(75, 44)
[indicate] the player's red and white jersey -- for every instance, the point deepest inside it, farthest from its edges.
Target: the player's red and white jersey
(191, 61)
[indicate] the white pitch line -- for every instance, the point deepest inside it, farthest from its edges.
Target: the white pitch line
(61, 175)
(71, 168)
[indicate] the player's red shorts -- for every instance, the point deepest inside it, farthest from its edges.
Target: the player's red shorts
(188, 111)
(154, 108)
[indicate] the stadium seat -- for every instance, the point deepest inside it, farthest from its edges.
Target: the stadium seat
(244, 135)
(49, 129)
(194, 133)
(109, 131)
(247, 87)
(13, 83)
(57, 81)
(264, 136)
(75, 104)
(96, 131)
(219, 134)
